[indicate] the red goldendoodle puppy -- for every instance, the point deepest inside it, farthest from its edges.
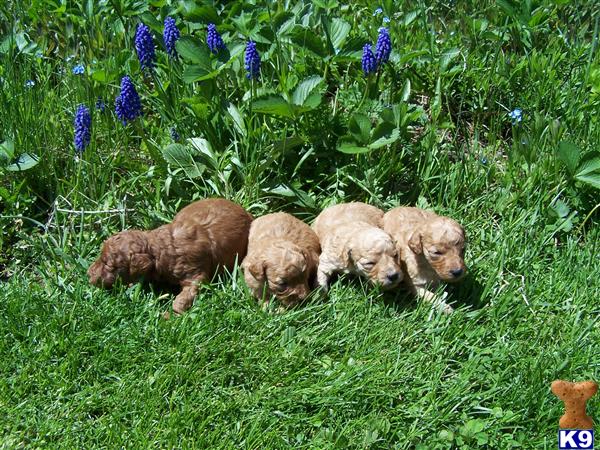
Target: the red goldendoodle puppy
(204, 237)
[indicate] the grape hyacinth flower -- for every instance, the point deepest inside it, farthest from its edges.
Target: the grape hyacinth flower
(383, 48)
(100, 105)
(252, 61)
(377, 12)
(170, 36)
(127, 105)
(83, 125)
(386, 19)
(174, 134)
(144, 45)
(516, 115)
(214, 39)
(29, 83)
(78, 69)
(369, 65)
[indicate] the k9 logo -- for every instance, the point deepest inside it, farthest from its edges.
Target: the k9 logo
(575, 439)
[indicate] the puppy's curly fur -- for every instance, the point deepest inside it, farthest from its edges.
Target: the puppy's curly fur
(204, 237)
(282, 259)
(431, 249)
(353, 242)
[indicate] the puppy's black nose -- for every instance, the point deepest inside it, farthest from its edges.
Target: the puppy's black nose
(457, 272)
(393, 276)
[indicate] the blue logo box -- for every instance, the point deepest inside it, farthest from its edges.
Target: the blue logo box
(575, 439)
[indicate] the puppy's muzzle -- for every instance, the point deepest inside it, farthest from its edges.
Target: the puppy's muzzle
(392, 278)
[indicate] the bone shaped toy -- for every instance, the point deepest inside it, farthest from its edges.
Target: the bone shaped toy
(575, 396)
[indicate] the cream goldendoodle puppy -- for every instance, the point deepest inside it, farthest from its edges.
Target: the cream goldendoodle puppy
(431, 250)
(352, 241)
(282, 258)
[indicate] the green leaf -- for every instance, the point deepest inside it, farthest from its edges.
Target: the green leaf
(25, 162)
(326, 4)
(385, 134)
(305, 88)
(406, 91)
(7, 150)
(274, 105)
(235, 115)
(193, 50)
(349, 146)
(195, 73)
(199, 14)
(338, 31)
(181, 156)
(311, 102)
(306, 38)
(360, 127)
(569, 154)
(448, 56)
(589, 170)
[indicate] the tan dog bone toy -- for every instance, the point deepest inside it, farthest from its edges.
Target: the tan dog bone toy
(575, 396)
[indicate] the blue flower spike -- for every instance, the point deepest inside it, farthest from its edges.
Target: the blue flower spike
(214, 39)
(127, 105)
(252, 61)
(79, 69)
(171, 36)
(83, 126)
(369, 65)
(383, 48)
(144, 45)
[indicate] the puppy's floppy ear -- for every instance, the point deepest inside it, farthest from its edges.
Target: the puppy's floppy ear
(415, 243)
(140, 264)
(256, 267)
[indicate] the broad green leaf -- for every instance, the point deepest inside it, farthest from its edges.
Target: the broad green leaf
(589, 170)
(446, 57)
(349, 146)
(311, 102)
(235, 115)
(195, 73)
(274, 105)
(308, 39)
(569, 154)
(360, 127)
(406, 91)
(287, 144)
(338, 31)
(326, 4)
(181, 156)
(199, 14)
(305, 88)
(385, 134)
(26, 161)
(7, 150)
(507, 7)
(194, 50)
(202, 146)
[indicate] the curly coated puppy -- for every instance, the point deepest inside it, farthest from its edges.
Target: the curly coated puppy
(353, 242)
(431, 250)
(204, 237)
(282, 259)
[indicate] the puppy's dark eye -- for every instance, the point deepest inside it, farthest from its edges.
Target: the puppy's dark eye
(368, 265)
(436, 253)
(281, 286)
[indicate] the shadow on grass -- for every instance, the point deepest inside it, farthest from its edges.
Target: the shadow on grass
(466, 293)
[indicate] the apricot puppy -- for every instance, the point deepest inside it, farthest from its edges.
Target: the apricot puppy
(204, 237)
(353, 242)
(431, 250)
(282, 259)
(575, 396)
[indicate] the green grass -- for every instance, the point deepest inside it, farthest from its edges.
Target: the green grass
(86, 368)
